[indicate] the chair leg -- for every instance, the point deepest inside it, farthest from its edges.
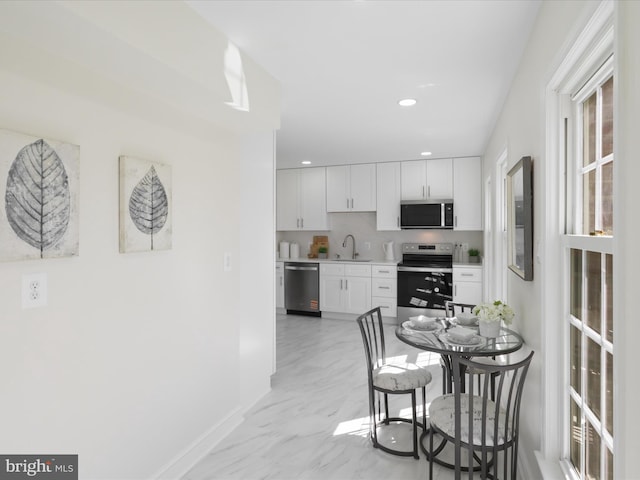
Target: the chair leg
(424, 408)
(430, 458)
(386, 409)
(414, 424)
(372, 418)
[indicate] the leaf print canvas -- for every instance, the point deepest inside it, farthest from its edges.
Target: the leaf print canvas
(40, 178)
(145, 205)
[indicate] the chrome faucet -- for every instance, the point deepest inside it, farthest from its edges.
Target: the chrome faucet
(353, 241)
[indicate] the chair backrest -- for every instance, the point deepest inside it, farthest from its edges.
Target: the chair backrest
(373, 338)
(500, 429)
(451, 308)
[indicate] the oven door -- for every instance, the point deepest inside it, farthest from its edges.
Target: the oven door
(423, 291)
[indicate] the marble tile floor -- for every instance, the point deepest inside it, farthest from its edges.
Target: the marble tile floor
(314, 422)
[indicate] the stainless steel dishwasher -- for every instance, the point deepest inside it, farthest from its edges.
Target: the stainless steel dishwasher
(302, 288)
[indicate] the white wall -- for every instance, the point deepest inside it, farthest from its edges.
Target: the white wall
(256, 308)
(363, 227)
(137, 358)
(521, 129)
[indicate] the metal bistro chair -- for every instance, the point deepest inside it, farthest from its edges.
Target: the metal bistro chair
(452, 309)
(385, 378)
(489, 430)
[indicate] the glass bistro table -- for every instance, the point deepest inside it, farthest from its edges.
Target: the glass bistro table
(438, 340)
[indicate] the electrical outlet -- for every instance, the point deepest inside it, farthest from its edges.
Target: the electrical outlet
(227, 262)
(34, 290)
(465, 247)
(367, 245)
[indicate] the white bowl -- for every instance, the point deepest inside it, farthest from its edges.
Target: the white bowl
(461, 334)
(466, 318)
(422, 321)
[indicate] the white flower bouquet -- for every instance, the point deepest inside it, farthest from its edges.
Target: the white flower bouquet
(495, 311)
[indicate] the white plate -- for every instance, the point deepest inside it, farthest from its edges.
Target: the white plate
(472, 342)
(429, 327)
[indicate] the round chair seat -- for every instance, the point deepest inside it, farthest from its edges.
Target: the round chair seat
(483, 360)
(442, 416)
(400, 376)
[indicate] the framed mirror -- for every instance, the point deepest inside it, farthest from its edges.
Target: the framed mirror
(520, 218)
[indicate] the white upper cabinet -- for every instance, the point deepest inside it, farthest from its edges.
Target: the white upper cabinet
(467, 193)
(440, 179)
(313, 208)
(351, 188)
(389, 195)
(427, 179)
(301, 199)
(414, 180)
(287, 200)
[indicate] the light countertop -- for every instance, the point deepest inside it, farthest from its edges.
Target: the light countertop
(467, 265)
(372, 262)
(333, 260)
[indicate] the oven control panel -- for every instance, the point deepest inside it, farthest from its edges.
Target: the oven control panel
(428, 248)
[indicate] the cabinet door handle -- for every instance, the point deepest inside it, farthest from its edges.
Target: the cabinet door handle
(423, 191)
(429, 191)
(297, 223)
(383, 271)
(455, 221)
(455, 290)
(340, 284)
(398, 221)
(383, 288)
(347, 203)
(302, 223)
(466, 274)
(346, 284)
(352, 203)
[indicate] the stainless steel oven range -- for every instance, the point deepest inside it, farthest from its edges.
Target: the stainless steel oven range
(425, 279)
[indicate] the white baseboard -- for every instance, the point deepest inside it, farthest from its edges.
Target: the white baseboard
(551, 470)
(191, 455)
(185, 461)
(527, 470)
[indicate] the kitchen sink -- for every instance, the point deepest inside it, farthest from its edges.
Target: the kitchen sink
(351, 260)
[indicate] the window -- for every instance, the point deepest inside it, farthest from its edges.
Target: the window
(589, 273)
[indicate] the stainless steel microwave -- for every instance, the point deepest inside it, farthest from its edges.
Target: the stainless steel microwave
(420, 214)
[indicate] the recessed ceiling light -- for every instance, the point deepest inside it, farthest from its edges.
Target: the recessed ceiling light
(407, 102)
(425, 154)
(306, 162)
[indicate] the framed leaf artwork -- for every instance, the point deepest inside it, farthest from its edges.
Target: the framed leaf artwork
(40, 177)
(145, 205)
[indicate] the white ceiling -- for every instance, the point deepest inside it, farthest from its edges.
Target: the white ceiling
(343, 65)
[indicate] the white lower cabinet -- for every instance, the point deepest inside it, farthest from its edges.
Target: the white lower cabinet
(279, 284)
(467, 284)
(384, 289)
(345, 288)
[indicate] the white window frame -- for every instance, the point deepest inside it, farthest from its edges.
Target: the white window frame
(591, 48)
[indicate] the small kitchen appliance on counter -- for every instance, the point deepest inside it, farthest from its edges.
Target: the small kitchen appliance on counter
(388, 251)
(284, 250)
(425, 280)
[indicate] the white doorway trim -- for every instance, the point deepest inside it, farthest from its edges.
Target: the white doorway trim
(488, 271)
(500, 227)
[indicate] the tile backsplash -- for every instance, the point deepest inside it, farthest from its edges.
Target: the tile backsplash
(363, 227)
